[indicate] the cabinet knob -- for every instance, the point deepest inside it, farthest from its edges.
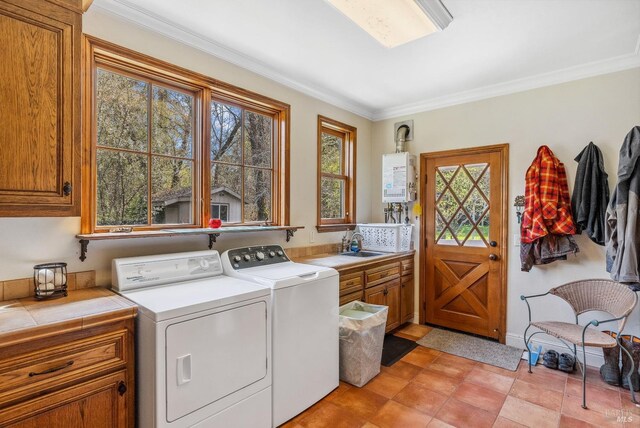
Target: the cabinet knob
(493, 243)
(493, 257)
(122, 388)
(66, 189)
(385, 292)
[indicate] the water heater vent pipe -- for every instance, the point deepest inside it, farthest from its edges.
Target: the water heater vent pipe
(401, 138)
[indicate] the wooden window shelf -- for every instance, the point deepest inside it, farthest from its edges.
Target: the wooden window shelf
(211, 233)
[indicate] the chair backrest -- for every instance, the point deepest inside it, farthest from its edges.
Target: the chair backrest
(598, 295)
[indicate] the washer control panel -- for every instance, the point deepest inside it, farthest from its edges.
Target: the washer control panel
(241, 258)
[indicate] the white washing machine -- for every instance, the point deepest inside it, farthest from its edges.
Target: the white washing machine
(203, 342)
(305, 324)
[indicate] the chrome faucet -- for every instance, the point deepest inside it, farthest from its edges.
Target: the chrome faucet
(344, 243)
(358, 238)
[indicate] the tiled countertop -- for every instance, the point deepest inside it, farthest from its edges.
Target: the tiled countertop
(29, 319)
(340, 262)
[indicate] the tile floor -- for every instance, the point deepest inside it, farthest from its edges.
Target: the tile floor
(434, 389)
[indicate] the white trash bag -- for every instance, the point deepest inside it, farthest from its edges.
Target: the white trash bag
(362, 328)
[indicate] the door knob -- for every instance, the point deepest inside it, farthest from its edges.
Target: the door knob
(493, 243)
(493, 257)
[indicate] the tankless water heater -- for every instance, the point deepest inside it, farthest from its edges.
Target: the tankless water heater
(398, 177)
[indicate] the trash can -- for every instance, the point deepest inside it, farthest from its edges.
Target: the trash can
(362, 328)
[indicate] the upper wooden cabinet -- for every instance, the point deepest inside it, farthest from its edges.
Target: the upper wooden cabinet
(40, 47)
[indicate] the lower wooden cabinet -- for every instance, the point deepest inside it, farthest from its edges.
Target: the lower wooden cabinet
(388, 282)
(99, 403)
(79, 379)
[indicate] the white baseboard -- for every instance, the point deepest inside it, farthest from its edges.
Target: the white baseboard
(594, 355)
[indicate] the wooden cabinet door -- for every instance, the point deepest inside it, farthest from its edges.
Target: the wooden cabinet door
(99, 403)
(393, 302)
(40, 109)
(375, 295)
(387, 294)
(406, 301)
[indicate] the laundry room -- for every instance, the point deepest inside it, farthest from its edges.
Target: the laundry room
(319, 213)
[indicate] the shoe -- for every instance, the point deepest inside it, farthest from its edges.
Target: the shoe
(567, 363)
(550, 359)
(632, 345)
(610, 370)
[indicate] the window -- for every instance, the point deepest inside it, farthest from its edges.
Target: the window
(144, 152)
(336, 175)
(242, 160)
(220, 211)
(158, 136)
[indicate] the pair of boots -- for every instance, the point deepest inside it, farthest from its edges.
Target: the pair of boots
(610, 371)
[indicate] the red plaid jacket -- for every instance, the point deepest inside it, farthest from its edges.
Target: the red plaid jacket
(547, 207)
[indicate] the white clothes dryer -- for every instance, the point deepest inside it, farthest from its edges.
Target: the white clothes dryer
(203, 342)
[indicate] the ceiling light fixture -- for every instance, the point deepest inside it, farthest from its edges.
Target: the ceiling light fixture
(396, 22)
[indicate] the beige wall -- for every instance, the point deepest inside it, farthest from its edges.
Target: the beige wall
(27, 241)
(565, 117)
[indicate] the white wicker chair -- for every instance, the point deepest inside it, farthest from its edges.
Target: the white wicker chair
(585, 296)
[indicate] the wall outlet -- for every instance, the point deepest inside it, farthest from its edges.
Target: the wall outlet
(516, 239)
(312, 236)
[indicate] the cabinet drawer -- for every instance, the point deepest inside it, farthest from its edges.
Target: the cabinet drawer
(49, 368)
(350, 297)
(407, 267)
(382, 273)
(350, 282)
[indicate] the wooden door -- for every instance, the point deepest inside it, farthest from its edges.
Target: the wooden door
(40, 109)
(406, 300)
(464, 230)
(99, 403)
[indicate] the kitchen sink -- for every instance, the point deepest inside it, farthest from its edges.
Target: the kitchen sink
(361, 254)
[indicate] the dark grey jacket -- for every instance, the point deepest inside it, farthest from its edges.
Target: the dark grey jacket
(623, 216)
(590, 194)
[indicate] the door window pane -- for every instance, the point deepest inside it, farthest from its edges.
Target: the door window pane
(462, 205)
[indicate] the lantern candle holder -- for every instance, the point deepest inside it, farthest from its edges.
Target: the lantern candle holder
(50, 280)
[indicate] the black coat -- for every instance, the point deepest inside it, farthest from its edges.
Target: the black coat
(623, 215)
(590, 194)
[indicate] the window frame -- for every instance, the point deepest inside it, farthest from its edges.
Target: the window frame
(220, 205)
(348, 134)
(276, 153)
(103, 54)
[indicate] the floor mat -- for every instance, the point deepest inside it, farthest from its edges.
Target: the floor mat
(394, 348)
(473, 348)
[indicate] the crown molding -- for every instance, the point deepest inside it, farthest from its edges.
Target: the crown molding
(611, 65)
(132, 13)
(136, 15)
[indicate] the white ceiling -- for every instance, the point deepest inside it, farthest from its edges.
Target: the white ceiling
(492, 47)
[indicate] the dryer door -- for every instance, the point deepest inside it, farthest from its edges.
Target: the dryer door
(213, 356)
